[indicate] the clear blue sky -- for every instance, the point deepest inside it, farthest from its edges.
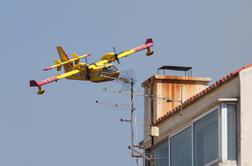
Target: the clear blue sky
(64, 126)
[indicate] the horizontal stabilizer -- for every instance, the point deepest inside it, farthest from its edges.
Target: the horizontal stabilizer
(57, 64)
(76, 59)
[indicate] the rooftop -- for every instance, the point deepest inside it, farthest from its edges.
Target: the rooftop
(200, 95)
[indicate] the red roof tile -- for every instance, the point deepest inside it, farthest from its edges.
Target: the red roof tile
(204, 92)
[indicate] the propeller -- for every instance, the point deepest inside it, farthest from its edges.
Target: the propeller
(116, 55)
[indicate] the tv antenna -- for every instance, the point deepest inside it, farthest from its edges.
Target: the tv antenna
(128, 81)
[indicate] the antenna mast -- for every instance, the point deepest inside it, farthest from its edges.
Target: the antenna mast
(128, 80)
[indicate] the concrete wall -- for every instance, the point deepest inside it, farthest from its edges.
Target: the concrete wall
(246, 117)
(170, 87)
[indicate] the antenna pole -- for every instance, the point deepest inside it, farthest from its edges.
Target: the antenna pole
(136, 150)
(132, 115)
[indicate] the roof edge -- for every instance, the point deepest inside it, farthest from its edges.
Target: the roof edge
(201, 94)
(175, 78)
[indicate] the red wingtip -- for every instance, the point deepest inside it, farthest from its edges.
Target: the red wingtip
(33, 83)
(148, 41)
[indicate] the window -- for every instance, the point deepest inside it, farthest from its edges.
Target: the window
(204, 142)
(181, 148)
(206, 139)
(149, 154)
(161, 154)
(231, 132)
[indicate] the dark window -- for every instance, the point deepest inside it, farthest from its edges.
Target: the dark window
(181, 148)
(206, 139)
(161, 154)
(231, 131)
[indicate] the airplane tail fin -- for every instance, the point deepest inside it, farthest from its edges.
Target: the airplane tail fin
(63, 57)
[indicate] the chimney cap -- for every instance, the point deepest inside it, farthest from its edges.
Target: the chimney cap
(178, 68)
(186, 69)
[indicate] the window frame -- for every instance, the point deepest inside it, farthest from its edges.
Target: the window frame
(191, 124)
(222, 114)
(215, 108)
(224, 130)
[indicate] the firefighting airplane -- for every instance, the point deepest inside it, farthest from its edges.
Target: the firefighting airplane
(100, 71)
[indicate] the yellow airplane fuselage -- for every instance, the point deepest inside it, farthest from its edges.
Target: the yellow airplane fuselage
(96, 73)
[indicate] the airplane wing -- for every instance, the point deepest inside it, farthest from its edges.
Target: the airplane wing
(148, 44)
(111, 57)
(49, 80)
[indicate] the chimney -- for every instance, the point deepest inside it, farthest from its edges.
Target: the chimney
(165, 92)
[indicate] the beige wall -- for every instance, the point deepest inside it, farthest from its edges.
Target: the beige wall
(246, 117)
(172, 89)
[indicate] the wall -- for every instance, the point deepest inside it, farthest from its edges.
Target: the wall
(246, 117)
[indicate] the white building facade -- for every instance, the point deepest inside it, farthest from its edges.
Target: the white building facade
(212, 127)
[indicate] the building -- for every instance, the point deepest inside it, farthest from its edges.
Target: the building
(188, 123)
